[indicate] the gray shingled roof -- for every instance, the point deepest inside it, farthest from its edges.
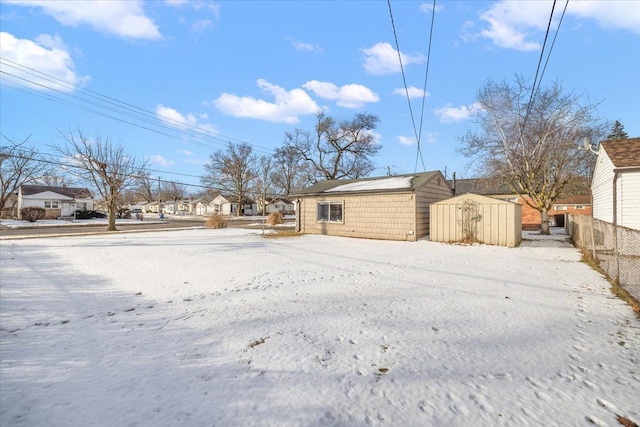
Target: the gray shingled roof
(623, 152)
(72, 192)
(322, 187)
(485, 186)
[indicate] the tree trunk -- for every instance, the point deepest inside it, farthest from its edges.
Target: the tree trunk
(113, 207)
(544, 222)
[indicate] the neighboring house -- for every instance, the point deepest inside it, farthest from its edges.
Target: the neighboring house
(276, 204)
(228, 205)
(497, 189)
(615, 186)
(574, 205)
(388, 208)
(170, 207)
(58, 202)
(203, 208)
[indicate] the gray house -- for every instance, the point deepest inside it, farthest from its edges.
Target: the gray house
(387, 208)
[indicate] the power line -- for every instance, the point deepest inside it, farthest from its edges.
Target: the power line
(418, 134)
(128, 111)
(536, 82)
(426, 75)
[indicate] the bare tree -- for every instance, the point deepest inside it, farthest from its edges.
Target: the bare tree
(55, 180)
(231, 171)
(19, 165)
(532, 143)
(104, 165)
(146, 189)
(172, 191)
(337, 150)
(264, 180)
(291, 171)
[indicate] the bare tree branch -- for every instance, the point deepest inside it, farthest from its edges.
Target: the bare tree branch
(104, 165)
(337, 151)
(535, 148)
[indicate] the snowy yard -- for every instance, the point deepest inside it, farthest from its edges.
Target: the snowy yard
(223, 327)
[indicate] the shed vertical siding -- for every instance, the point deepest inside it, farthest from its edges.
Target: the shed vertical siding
(498, 223)
(602, 188)
(389, 216)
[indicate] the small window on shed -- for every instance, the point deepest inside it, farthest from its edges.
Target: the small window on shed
(330, 211)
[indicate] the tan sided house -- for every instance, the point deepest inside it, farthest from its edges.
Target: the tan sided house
(387, 208)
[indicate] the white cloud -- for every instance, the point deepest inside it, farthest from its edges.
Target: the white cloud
(414, 92)
(176, 119)
(157, 159)
(48, 56)
(609, 14)
(186, 153)
(204, 7)
(305, 47)
(348, 96)
(428, 7)
(288, 105)
(201, 25)
(381, 59)
(449, 114)
(125, 19)
(429, 138)
(512, 24)
(407, 140)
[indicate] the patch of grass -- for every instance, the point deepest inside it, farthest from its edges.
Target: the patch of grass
(616, 289)
(282, 233)
(274, 218)
(217, 221)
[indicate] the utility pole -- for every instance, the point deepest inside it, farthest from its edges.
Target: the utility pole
(159, 201)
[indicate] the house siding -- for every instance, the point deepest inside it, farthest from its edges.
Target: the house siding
(433, 191)
(628, 200)
(602, 189)
(388, 216)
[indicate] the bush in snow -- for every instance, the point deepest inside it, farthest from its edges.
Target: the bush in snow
(32, 214)
(274, 218)
(217, 221)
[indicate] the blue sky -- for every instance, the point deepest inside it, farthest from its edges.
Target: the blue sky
(173, 81)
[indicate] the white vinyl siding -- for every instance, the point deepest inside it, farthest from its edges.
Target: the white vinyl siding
(628, 200)
(602, 188)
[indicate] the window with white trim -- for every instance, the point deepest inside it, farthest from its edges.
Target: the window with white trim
(51, 204)
(330, 211)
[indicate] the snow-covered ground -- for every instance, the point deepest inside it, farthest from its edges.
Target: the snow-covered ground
(204, 327)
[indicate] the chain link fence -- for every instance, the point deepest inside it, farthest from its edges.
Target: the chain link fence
(616, 249)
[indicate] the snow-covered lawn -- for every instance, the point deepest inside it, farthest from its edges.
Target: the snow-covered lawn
(205, 327)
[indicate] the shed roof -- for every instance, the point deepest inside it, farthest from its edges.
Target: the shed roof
(384, 184)
(72, 192)
(475, 198)
(623, 152)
